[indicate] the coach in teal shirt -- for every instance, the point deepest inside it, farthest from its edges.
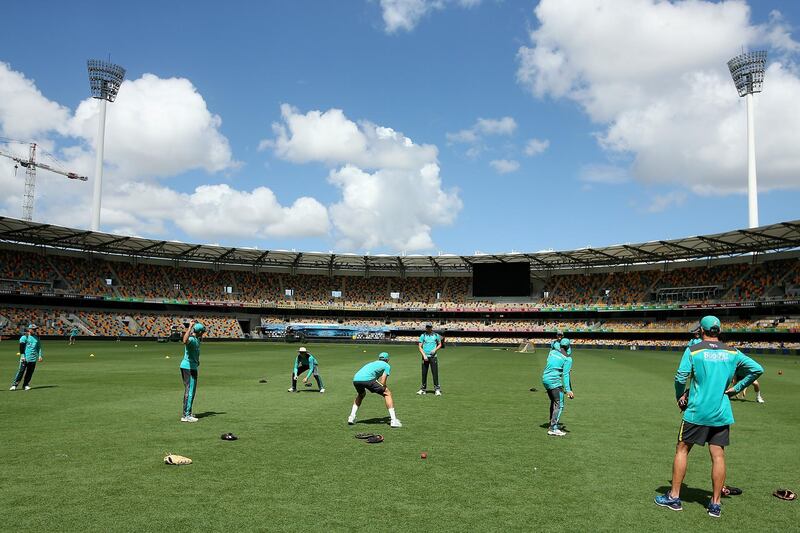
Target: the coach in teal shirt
(711, 366)
(30, 352)
(429, 345)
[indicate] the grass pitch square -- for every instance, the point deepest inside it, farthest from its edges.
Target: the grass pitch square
(83, 449)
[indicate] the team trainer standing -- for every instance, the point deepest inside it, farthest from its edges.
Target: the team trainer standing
(429, 345)
(711, 365)
(30, 351)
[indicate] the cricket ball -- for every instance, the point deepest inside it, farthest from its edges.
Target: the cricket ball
(780, 372)
(423, 455)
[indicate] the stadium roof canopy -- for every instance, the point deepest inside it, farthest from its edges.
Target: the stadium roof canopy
(765, 239)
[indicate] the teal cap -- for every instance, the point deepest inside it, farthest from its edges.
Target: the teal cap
(199, 328)
(565, 343)
(383, 356)
(709, 322)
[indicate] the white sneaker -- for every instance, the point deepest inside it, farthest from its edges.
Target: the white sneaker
(321, 391)
(13, 387)
(556, 433)
(351, 420)
(188, 419)
(438, 392)
(422, 392)
(290, 390)
(29, 388)
(759, 399)
(396, 423)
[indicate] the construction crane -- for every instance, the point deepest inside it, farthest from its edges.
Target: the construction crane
(30, 165)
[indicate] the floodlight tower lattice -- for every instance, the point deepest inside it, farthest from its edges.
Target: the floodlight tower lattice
(747, 71)
(104, 81)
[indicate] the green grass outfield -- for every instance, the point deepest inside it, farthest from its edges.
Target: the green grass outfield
(83, 449)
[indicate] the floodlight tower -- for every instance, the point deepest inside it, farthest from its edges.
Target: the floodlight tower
(104, 81)
(747, 71)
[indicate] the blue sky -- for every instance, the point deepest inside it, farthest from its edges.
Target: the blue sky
(596, 179)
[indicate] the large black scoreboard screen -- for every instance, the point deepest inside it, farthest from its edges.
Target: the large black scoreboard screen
(501, 279)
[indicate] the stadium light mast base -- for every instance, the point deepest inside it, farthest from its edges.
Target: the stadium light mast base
(747, 71)
(104, 81)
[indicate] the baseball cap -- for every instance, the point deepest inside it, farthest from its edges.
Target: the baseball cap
(565, 343)
(33, 326)
(383, 356)
(559, 333)
(199, 327)
(302, 349)
(710, 322)
(428, 325)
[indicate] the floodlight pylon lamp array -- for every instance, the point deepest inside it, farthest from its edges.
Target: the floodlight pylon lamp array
(104, 79)
(747, 71)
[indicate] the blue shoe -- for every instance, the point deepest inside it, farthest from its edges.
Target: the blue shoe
(669, 502)
(714, 509)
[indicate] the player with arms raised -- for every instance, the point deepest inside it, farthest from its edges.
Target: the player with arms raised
(191, 361)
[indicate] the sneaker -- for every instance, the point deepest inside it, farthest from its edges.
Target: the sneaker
(395, 423)
(714, 509)
(422, 392)
(290, 390)
(321, 390)
(669, 502)
(556, 433)
(438, 392)
(13, 387)
(759, 399)
(27, 387)
(351, 420)
(188, 419)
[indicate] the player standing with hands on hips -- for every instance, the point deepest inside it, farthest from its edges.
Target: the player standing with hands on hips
(30, 351)
(191, 360)
(711, 365)
(429, 345)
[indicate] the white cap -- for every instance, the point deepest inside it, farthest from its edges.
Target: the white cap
(302, 349)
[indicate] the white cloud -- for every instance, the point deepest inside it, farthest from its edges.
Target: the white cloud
(157, 128)
(392, 193)
(662, 202)
(484, 127)
(654, 75)
(604, 174)
(536, 146)
(504, 166)
(406, 14)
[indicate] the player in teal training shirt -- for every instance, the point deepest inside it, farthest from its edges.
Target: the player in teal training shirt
(306, 362)
(191, 361)
(711, 366)
(372, 377)
(30, 352)
(429, 345)
(556, 380)
(73, 334)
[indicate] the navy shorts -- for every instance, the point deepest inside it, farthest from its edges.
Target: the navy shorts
(697, 434)
(372, 386)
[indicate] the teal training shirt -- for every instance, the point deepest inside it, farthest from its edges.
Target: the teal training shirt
(372, 371)
(693, 342)
(429, 342)
(712, 365)
(307, 360)
(191, 354)
(33, 348)
(556, 371)
(74, 332)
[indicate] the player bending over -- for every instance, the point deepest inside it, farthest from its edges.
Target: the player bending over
(191, 360)
(711, 366)
(30, 351)
(372, 377)
(73, 334)
(305, 361)
(555, 379)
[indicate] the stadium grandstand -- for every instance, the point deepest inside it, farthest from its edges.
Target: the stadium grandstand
(648, 294)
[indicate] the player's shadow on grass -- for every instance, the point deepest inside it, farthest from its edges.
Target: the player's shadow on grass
(206, 414)
(689, 494)
(44, 387)
(546, 425)
(309, 390)
(377, 420)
